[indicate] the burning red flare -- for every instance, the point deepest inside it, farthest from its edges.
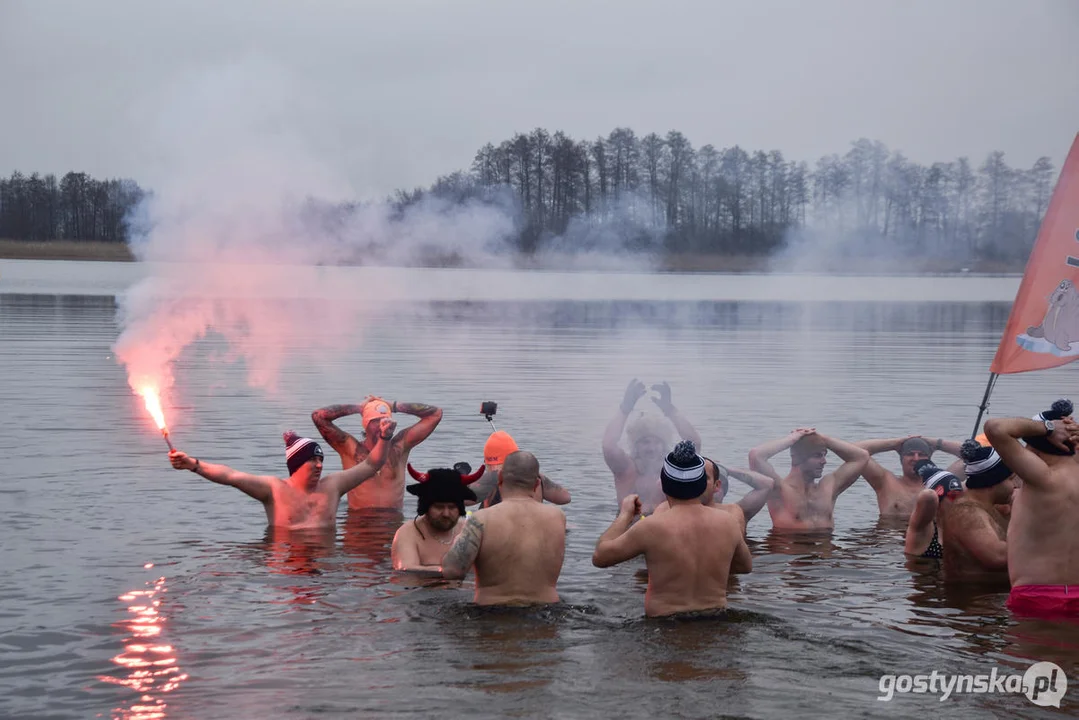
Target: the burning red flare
(153, 406)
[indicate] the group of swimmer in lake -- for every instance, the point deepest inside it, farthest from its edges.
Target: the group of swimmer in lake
(1003, 511)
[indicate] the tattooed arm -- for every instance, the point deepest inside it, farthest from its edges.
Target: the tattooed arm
(949, 446)
(553, 492)
(483, 487)
(339, 440)
(429, 415)
(466, 547)
(346, 480)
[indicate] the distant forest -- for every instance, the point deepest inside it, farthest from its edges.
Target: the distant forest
(658, 193)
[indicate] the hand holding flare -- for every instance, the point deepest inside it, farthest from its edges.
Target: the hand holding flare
(153, 406)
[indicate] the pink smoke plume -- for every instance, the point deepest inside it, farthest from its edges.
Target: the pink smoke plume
(235, 244)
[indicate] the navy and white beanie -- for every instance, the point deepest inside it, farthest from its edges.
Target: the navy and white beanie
(683, 476)
(1061, 408)
(939, 481)
(984, 466)
(299, 450)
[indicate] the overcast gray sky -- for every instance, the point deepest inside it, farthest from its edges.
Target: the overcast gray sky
(395, 92)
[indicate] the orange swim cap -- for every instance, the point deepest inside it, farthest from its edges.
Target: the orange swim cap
(375, 409)
(497, 447)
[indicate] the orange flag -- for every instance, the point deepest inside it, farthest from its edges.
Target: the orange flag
(1043, 328)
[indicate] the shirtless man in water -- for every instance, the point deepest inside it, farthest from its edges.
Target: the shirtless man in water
(421, 543)
(517, 545)
(973, 532)
(306, 499)
(1043, 545)
(498, 446)
(386, 490)
(798, 501)
(690, 549)
(638, 472)
(896, 495)
(718, 485)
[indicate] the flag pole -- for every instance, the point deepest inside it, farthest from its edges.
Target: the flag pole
(985, 403)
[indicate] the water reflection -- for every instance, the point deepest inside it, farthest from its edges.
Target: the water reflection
(151, 665)
(807, 545)
(694, 649)
(366, 539)
(1037, 640)
(509, 649)
(300, 554)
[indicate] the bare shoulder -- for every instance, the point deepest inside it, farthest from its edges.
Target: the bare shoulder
(553, 510)
(889, 476)
(726, 515)
(1065, 472)
(549, 515)
(827, 482)
(407, 531)
(735, 511)
(966, 515)
(643, 527)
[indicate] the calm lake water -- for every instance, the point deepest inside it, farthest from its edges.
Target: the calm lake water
(135, 591)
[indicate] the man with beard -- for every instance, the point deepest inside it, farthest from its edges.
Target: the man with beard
(1043, 546)
(386, 490)
(973, 531)
(637, 472)
(896, 495)
(798, 501)
(421, 543)
(306, 499)
(719, 484)
(690, 550)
